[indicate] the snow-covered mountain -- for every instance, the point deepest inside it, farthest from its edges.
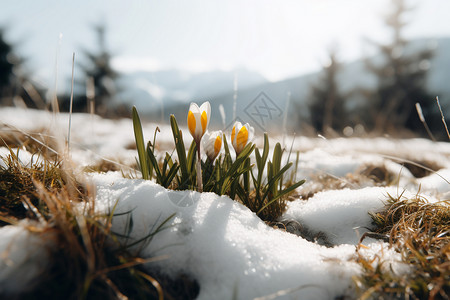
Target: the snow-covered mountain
(148, 90)
(353, 75)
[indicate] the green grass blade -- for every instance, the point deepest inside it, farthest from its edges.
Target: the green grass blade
(274, 178)
(171, 175)
(283, 193)
(258, 159)
(140, 145)
(154, 162)
(149, 163)
(265, 149)
(181, 152)
(246, 175)
(190, 160)
(276, 164)
(264, 156)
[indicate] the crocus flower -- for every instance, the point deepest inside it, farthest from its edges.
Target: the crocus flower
(241, 135)
(198, 120)
(212, 143)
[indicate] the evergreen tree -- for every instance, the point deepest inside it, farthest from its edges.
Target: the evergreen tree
(326, 103)
(15, 86)
(401, 79)
(8, 60)
(104, 77)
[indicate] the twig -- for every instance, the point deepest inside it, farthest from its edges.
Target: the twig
(422, 119)
(443, 118)
(71, 103)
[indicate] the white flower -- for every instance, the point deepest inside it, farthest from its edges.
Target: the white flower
(198, 120)
(212, 143)
(241, 135)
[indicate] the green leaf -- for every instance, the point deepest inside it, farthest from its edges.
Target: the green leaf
(227, 159)
(243, 195)
(166, 161)
(181, 152)
(258, 159)
(154, 162)
(276, 165)
(140, 145)
(246, 175)
(191, 157)
(266, 149)
(274, 178)
(263, 158)
(171, 175)
(284, 192)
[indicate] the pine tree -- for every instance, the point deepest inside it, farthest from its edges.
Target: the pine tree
(16, 88)
(7, 63)
(326, 103)
(401, 79)
(98, 67)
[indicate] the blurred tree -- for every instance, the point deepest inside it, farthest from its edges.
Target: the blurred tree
(8, 62)
(15, 86)
(401, 79)
(99, 71)
(326, 103)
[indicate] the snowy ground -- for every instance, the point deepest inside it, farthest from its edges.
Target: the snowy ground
(222, 244)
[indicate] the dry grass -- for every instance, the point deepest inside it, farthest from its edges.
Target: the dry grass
(103, 166)
(38, 142)
(17, 186)
(420, 232)
(366, 175)
(87, 260)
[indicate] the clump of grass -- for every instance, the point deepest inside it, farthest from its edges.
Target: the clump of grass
(420, 232)
(38, 142)
(103, 166)
(17, 189)
(366, 175)
(87, 260)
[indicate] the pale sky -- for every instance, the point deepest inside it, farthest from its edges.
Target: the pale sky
(278, 38)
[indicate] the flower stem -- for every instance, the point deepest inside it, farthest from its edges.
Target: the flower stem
(199, 170)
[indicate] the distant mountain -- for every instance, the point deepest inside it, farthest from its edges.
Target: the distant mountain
(251, 106)
(260, 102)
(149, 90)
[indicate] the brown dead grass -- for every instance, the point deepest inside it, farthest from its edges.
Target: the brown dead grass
(420, 232)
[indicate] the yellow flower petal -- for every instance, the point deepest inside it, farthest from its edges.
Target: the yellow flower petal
(217, 144)
(242, 138)
(191, 123)
(233, 133)
(204, 121)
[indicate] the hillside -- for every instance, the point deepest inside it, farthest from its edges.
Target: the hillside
(353, 75)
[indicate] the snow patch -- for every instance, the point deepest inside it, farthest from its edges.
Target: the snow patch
(225, 246)
(23, 257)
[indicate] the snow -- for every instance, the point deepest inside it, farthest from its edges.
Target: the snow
(224, 245)
(23, 257)
(218, 242)
(436, 183)
(25, 157)
(341, 214)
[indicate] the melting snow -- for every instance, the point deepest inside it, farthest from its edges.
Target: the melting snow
(219, 242)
